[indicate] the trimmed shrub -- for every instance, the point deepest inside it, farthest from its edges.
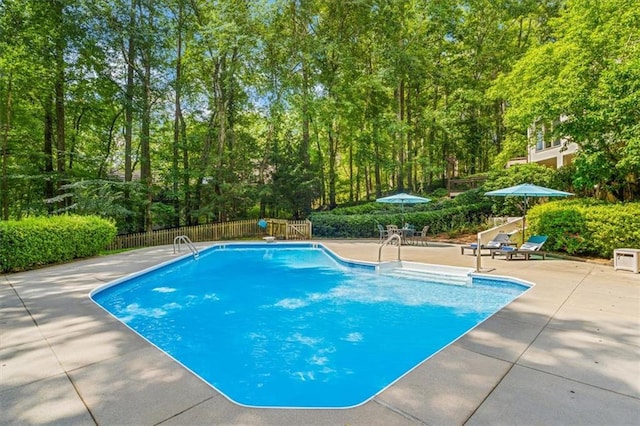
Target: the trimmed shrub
(33, 242)
(586, 227)
(331, 225)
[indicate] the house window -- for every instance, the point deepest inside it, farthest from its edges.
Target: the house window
(539, 139)
(556, 140)
(544, 138)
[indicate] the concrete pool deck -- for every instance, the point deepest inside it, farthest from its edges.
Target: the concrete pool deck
(566, 352)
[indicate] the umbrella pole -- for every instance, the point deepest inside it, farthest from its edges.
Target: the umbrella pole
(524, 218)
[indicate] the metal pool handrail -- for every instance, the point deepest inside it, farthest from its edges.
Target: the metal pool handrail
(184, 239)
(387, 241)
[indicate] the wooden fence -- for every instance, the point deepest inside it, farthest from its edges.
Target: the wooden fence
(239, 229)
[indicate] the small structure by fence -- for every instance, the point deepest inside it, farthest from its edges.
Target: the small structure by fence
(457, 186)
(289, 229)
(233, 230)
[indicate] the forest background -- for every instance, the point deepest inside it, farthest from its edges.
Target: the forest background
(159, 113)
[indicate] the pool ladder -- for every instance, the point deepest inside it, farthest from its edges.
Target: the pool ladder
(388, 241)
(186, 241)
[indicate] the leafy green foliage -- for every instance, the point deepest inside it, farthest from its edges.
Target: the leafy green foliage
(287, 105)
(586, 227)
(35, 242)
(451, 219)
(587, 80)
(516, 175)
(105, 198)
(218, 109)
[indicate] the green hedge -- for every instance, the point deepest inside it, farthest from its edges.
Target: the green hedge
(457, 218)
(586, 227)
(33, 242)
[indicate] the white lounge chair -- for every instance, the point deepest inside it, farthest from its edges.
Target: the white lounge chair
(530, 247)
(499, 241)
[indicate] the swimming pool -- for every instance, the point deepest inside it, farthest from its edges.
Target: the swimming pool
(294, 325)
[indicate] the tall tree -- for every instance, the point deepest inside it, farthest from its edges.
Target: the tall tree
(148, 39)
(585, 79)
(299, 104)
(179, 127)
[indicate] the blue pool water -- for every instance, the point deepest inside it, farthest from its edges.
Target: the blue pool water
(276, 325)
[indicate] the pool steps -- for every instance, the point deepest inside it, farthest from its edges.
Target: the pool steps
(420, 271)
(426, 276)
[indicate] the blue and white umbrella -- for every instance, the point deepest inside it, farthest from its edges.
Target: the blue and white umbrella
(527, 190)
(403, 199)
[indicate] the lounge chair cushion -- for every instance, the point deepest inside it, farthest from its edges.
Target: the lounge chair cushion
(529, 246)
(532, 246)
(501, 240)
(490, 244)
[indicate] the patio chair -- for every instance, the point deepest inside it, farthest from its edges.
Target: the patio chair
(420, 237)
(530, 247)
(393, 229)
(384, 234)
(499, 241)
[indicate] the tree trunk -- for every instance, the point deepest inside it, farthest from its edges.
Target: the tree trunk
(431, 140)
(176, 124)
(186, 177)
(400, 136)
(145, 143)
(128, 114)
(4, 194)
(351, 177)
(377, 160)
(333, 154)
(323, 186)
(128, 109)
(409, 164)
(60, 118)
(59, 85)
(74, 137)
(48, 151)
(219, 90)
(101, 171)
(204, 163)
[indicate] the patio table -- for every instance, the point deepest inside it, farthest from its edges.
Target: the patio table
(405, 234)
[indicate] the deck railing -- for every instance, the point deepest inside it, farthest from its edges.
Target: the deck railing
(238, 229)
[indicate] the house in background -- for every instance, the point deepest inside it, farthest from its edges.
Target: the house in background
(544, 149)
(547, 150)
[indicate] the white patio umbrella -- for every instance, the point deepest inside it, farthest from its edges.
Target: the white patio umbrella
(525, 191)
(403, 199)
